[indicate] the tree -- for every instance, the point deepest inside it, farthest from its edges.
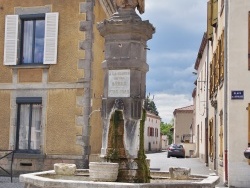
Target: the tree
(150, 106)
(167, 129)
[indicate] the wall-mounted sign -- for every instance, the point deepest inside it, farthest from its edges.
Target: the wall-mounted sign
(237, 94)
(119, 83)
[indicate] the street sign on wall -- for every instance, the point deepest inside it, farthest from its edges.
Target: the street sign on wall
(119, 83)
(238, 94)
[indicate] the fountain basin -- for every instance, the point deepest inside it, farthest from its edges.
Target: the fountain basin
(81, 179)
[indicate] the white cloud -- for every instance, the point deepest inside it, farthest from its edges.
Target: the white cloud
(167, 56)
(185, 14)
(180, 25)
(167, 103)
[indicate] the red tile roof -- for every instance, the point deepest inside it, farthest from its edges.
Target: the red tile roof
(184, 109)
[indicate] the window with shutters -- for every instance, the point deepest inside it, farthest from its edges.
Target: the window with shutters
(211, 140)
(212, 17)
(156, 132)
(209, 21)
(28, 130)
(151, 131)
(211, 81)
(214, 13)
(216, 67)
(221, 62)
(31, 39)
(212, 76)
(221, 135)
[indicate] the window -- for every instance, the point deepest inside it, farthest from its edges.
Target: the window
(211, 140)
(28, 132)
(38, 39)
(156, 132)
(212, 17)
(32, 45)
(222, 57)
(221, 135)
(151, 131)
(201, 132)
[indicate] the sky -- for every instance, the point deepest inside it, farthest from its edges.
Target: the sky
(180, 25)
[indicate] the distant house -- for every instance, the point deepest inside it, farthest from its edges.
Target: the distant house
(164, 142)
(183, 118)
(152, 136)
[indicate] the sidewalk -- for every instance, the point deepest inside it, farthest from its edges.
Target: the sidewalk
(6, 183)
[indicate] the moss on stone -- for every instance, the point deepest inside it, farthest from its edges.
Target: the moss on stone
(113, 152)
(144, 172)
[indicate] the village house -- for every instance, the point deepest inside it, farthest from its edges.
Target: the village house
(222, 117)
(51, 81)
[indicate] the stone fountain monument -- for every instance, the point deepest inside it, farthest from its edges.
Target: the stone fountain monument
(123, 115)
(125, 69)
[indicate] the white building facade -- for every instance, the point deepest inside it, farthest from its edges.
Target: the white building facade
(152, 135)
(183, 119)
(200, 96)
(227, 108)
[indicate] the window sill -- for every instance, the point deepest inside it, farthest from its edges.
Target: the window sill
(28, 156)
(30, 66)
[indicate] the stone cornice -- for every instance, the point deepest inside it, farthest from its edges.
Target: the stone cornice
(108, 7)
(201, 50)
(144, 28)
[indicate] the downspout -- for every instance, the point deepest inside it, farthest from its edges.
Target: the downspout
(207, 103)
(226, 90)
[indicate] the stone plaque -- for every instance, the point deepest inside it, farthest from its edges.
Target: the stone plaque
(119, 83)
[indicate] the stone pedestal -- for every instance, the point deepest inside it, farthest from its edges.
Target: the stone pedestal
(125, 69)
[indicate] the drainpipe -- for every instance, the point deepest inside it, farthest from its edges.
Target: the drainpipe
(207, 103)
(226, 90)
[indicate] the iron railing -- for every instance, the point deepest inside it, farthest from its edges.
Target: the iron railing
(6, 154)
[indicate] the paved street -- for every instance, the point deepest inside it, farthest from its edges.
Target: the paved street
(158, 161)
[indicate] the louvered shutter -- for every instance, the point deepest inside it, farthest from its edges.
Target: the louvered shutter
(215, 13)
(50, 39)
(209, 21)
(10, 40)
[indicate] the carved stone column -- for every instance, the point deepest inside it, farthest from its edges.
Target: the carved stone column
(125, 69)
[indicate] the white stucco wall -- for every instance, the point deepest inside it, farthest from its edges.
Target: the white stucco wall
(152, 143)
(200, 107)
(182, 123)
(238, 79)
